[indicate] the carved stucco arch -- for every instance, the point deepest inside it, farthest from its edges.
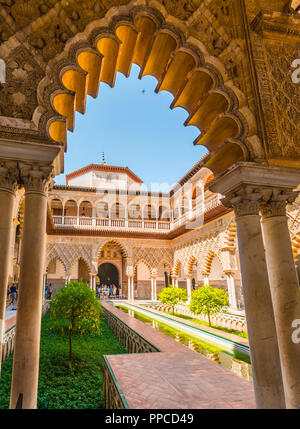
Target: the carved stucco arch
(164, 261)
(56, 258)
(143, 261)
(189, 265)
(229, 119)
(56, 252)
(84, 259)
(123, 247)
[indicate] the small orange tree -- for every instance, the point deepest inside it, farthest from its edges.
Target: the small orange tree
(75, 309)
(208, 300)
(172, 296)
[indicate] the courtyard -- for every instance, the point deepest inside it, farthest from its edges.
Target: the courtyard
(209, 205)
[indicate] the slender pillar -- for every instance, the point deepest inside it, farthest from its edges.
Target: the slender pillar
(27, 341)
(267, 377)
(205, 280)
(8, 176)
(285, 293)
(91, 281)
(189, 288)
(132, 288)
(152, 291)
(231, 290)
(94, 281)
(129, 288)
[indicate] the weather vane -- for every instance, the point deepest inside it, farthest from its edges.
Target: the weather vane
(103, 159)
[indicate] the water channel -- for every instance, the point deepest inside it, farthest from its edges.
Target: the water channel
(238, 363)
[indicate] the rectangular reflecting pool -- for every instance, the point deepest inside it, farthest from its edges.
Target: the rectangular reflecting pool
(236, 362)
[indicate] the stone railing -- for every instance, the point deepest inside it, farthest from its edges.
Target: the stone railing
(8, 343)
(109, 223)
(112, 393)
(127, 337)
(220, 319)
(9, 336)
(148, 225)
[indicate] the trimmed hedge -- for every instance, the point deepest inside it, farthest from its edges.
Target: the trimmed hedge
(62, 386)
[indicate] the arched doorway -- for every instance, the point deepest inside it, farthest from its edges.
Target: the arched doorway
(108, 274)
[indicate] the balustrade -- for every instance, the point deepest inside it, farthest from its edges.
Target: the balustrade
(162, 226)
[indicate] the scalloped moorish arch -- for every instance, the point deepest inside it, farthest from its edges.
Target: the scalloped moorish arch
(122, 247)
(162, 47)
(176, 267)
(143, 261)
(53, 259)
(189, 266)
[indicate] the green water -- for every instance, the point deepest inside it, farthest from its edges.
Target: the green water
(233, 361)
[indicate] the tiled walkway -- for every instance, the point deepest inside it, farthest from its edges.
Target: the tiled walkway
(176, 377)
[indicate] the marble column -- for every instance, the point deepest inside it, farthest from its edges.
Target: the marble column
(28, 325)
(268, 276)
(91, 281)
(267, 377)
(132, 288)
(152, 291)
(189, 288)
(129, 288)
(284, 289)
(8, 185)
(205, 280)
(231, 290)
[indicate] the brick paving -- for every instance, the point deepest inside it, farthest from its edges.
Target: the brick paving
(176, 377)
(9, 322)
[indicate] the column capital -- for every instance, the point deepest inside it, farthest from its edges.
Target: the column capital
(274, 201)
(247, 186)
(37, 177)
(244, 200)
(9, 175)
(229, 272)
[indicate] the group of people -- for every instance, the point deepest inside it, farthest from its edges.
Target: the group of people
(12, 294)
(112, 291)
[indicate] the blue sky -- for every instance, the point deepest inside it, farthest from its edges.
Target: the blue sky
(135, 128)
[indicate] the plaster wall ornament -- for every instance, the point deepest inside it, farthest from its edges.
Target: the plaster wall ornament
(9, 175)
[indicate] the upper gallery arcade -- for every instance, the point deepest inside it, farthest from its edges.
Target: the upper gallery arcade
(228, 63)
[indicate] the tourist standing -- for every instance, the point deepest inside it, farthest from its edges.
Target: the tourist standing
(50, 291)
(13, 293)
(105, 291)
